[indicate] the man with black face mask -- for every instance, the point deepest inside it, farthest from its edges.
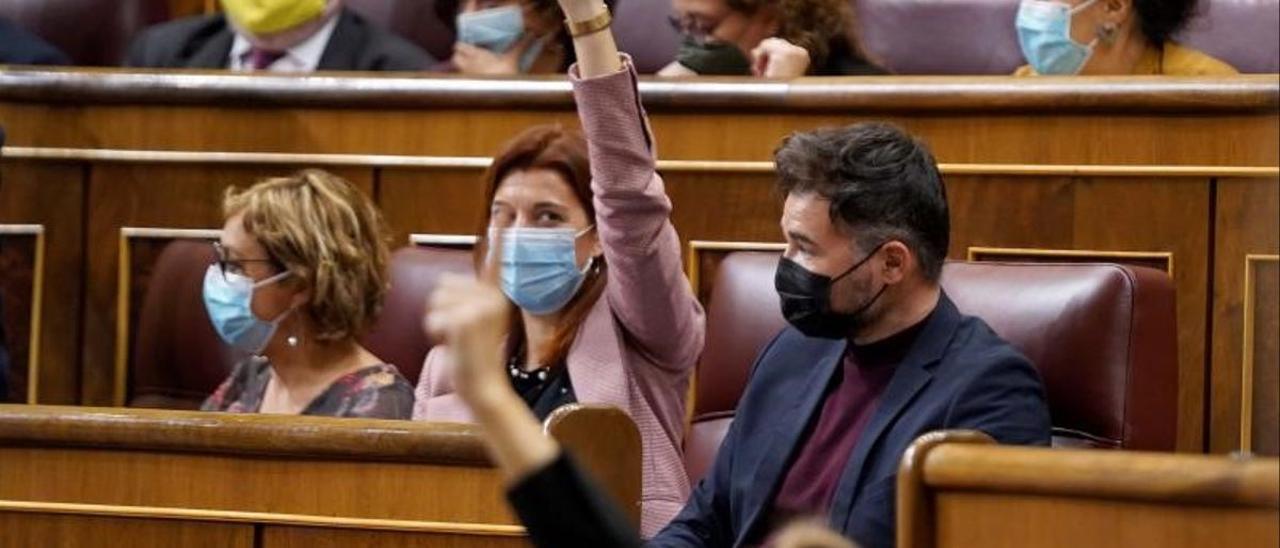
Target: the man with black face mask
(876, 354)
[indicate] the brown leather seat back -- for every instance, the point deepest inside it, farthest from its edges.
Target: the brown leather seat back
(1103, 336)
(91, 32)
(743, 315)
(178, 358)
(398, 337)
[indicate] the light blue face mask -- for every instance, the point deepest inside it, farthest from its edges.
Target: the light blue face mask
(228, 299)
(540, 267)
(1044, 33)
(498, 30)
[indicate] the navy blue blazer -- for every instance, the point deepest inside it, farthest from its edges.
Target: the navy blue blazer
(204, 41)
(958, 374)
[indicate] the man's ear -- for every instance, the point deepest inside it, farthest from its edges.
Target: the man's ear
(897, 261)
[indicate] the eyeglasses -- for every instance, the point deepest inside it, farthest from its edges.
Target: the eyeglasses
(227, 265)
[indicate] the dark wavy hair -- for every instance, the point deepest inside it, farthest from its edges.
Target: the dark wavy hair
(883, 185)
(1160, 20)
(810, 24)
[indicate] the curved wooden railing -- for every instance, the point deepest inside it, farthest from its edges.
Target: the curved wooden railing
(949, 480)
(879, 94)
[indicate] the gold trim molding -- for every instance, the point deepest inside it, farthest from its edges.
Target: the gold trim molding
(977, 253)
(123, 281)
(462, 241)
(37, 304)
(695, 166)
(1246, 366)
(266, 518)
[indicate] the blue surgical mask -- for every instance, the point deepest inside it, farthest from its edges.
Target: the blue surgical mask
(229, 298)
(540, 271)
(498, 30)
(1044, 32)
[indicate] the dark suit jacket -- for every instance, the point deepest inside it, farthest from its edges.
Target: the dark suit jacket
(19, 47)
(205, 42)
(958, 374)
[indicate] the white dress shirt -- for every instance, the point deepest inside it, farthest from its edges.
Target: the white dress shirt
(303, 57)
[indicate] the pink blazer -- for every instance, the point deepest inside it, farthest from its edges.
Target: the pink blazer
(640, 341)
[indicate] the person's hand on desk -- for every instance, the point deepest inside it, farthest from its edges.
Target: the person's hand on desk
(778, 58)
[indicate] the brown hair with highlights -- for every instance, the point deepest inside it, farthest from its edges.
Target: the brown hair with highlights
(330, 236)
(564, 152)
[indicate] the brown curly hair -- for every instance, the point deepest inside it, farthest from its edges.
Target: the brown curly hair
(810, 24)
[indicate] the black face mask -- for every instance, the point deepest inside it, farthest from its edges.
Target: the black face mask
(709, 58)
(806, 300)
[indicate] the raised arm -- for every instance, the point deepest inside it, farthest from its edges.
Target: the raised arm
(647, 290)
(597, 52)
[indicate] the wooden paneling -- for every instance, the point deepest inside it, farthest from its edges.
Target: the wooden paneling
(435, 201)
(149, 195)
(299, 537)
(1246, 224)
(62, 531)
(370, 482)
(51, 195)
(400, 491)
(1094, 139)
(960, 489)
(997, 521)
(1085, 121)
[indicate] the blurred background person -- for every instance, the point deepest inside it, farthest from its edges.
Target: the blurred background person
(506, 37)
(279, 36)
(19, 47)
(1101, 37)
(768, 38)
(301, 273)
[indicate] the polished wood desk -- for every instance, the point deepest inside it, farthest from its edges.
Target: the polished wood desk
(959, 489)
(1178, 174)
(83, 477)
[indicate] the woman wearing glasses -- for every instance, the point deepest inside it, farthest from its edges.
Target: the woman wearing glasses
(301, 273)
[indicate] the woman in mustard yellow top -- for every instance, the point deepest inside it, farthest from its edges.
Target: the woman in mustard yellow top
(1099, 37)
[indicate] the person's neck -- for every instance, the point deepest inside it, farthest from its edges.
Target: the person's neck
(1122, 57)
(914, 307)
(539, 333)
(313, 362)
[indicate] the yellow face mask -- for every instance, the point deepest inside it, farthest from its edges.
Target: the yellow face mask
(262, 17)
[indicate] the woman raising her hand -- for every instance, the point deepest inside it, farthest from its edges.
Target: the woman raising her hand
(590, 266)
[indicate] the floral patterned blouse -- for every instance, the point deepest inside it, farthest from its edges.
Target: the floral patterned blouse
(375, 392)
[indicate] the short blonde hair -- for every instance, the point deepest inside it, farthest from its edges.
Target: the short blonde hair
(330, 236)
